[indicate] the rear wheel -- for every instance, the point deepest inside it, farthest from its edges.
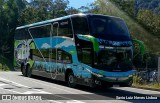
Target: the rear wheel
(71, 80)
(23, 68)
(29, 71)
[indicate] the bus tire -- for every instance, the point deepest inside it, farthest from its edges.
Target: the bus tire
(127, 84)
(23, 68)
(29, 71)
(71, 80)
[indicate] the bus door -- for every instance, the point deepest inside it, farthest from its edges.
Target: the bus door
(53, 50)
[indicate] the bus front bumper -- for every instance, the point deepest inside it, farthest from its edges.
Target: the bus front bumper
(113, 80)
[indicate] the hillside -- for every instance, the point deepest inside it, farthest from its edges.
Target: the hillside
(153, 5)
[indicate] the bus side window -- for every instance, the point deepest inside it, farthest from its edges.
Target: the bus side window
(84, 56)
(80, 25)
(41, 31)
(64, 57)
(65, 28)
(55, 29)
(67, 58)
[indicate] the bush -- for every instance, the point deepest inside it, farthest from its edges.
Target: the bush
(137, 80)
(4, 67)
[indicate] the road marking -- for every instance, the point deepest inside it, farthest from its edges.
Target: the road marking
(54, 101)
(32, 92)
(29, 92)
(74, 101)
(59, 89)
(10, 90)
(51, 86)
(3, 84)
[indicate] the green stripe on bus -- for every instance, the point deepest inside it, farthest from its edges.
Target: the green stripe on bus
(94, 41)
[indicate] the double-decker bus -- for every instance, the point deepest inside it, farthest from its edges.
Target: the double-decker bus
(84, 49)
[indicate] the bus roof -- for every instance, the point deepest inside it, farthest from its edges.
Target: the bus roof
(56, 19)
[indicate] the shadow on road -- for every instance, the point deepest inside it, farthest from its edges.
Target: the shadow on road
(105, 93)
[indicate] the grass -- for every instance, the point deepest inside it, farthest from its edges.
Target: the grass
(137, 83)
(5, 64)
(4, 67)
(154, 86)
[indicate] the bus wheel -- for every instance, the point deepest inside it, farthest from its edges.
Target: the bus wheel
(71, 80)
(29, 71)
(127, 84)
(24, 70)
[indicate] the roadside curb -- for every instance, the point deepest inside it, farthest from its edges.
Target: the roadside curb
(146, 88)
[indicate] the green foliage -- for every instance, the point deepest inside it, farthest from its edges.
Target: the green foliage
(150, 21)
(8, 21)
(137, 80)
(125, 5)
(5, 64)
(4, 67)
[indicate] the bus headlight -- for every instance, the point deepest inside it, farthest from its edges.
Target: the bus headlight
(98, 75)
(130, 75)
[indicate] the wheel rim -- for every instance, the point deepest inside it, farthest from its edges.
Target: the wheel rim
(71, 79)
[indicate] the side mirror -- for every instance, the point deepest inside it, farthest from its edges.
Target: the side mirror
(91, 39)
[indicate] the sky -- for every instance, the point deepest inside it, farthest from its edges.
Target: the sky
(78, 3)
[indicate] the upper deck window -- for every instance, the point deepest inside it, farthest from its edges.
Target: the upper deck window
(80, 25)
(41, 31)
(109, 28)
(65, 28)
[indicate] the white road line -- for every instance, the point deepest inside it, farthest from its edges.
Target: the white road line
(34, 92)
(60, 89)
(52, 86)
(2, 84)
(10, 90)
(30, 92)
(54, 101)
(56, 87)
(74, 101)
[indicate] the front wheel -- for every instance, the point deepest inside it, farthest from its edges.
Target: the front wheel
(71, 80)
(127, 84)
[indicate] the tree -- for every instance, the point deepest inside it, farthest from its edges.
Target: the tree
(72, 10)
(150, 21)
(8, 22)
(125, 5)
(60, 7)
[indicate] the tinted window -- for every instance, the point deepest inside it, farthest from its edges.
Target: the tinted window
(41, 31)
(55, 29)
(63, 57)
(85, 56)
(65, 28)
(80, 25)
(109, 28)
(21, 34)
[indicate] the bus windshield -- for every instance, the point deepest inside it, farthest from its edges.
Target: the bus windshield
(113, 59)
(109, 28)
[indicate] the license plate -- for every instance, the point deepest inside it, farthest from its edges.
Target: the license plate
(115, 85)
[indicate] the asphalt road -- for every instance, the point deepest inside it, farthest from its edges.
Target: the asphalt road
(17, 89)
